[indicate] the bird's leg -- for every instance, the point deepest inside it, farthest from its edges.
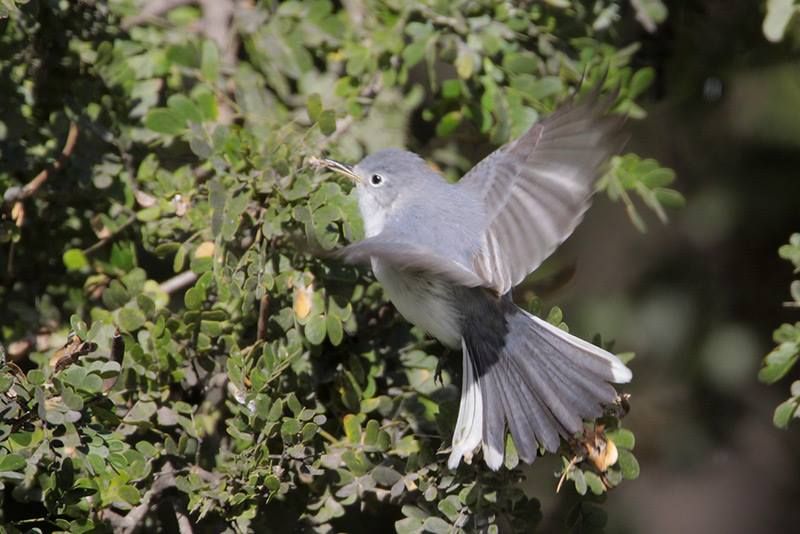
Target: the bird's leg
(437, 376)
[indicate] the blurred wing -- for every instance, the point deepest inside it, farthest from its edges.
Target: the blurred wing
(405, 256)
(536, 189)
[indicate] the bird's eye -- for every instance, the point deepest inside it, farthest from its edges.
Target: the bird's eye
(376, 179)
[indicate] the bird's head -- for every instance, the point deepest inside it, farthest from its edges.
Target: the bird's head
(386, 180)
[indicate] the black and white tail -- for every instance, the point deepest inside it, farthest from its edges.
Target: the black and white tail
(542, 382)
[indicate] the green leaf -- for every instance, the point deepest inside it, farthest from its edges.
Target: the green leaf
(778, 362)
(314, 107)
(628, 464)
(436, 525)
(272, 483)
(451, 89)
(164, 120)
(670, 198)
(209, 60)
(149, 214)
(622, 438)
(71, 400)
(194, 298)
(115, 295)
(92, 383)
(12, 462)
(594, 483)
(371, 432)
(465, 63)
(74, 259)
(129, 494)
(131, 319)
(211, 328)
(658, 177)
(333, 326)
(409, 525)
(511, 456)
(327, 122)
(184, 108)
(785, 411)
(352, 427)
(448, 123)
(579, 479)
(315, 329)
(206, 103)
(521, 62)
(180, 258)
(641, 81)
(36, 377)
(650, 13)
(779, 13)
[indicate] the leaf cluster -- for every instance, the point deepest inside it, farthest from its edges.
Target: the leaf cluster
(174, 346)
(782, 359)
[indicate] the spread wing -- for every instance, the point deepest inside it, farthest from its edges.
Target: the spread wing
(408, 257)
(535, 190)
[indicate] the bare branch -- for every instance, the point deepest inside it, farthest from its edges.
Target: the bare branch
(263, 316)
(178, 282)
(31, 187)
(103, 242)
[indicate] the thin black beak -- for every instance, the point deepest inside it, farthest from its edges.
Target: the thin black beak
(341, 168)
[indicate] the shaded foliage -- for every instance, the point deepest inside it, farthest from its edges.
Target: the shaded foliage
(172, 352)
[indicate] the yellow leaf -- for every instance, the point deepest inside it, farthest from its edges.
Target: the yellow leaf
(205, 250)
(302, 300)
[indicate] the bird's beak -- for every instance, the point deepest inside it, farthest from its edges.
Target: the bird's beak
(341, 168)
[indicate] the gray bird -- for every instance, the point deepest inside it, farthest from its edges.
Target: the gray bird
(448, 256)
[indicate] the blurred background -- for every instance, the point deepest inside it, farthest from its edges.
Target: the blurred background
(698, 299)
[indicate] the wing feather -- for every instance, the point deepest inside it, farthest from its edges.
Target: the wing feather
(536, 189)
(408, 257)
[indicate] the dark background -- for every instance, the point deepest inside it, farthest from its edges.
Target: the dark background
(697, 300)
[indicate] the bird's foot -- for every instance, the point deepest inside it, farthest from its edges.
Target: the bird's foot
(437, 375)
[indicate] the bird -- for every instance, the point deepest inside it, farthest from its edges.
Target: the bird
(448, 256)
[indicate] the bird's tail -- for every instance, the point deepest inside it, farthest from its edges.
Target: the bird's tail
(541, 382)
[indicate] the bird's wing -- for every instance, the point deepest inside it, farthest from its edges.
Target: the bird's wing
(536, 189)
(407, 256)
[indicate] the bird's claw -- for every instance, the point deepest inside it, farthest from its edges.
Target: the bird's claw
(437, 375)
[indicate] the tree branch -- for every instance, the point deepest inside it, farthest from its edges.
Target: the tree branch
(178, 282)
(263, 316)
(31, 187)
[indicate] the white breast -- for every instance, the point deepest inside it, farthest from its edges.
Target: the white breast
(424, 302)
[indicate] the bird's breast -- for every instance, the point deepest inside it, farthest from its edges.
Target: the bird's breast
(429, 303)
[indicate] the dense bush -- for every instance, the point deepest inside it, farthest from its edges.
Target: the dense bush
(174, 353)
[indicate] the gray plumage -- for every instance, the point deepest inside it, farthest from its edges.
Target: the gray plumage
(448, 256)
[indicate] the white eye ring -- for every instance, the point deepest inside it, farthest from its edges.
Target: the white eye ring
(376, 180)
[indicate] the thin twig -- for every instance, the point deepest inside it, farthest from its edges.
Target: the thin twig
(184, 523)
(263, 316)
(31, 187)
(178, 282)
(91, 249)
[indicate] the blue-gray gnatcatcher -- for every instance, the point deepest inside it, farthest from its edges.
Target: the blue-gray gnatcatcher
(448, 256)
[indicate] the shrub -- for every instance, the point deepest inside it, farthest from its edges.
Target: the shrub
(174, 353)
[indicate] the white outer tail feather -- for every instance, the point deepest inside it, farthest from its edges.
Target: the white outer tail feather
(468, 433)
(620, 372)
(469, 426)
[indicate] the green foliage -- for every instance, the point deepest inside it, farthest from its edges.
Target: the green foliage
(262, 386)
(784, 356)
(779, 17)
(647, 179)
